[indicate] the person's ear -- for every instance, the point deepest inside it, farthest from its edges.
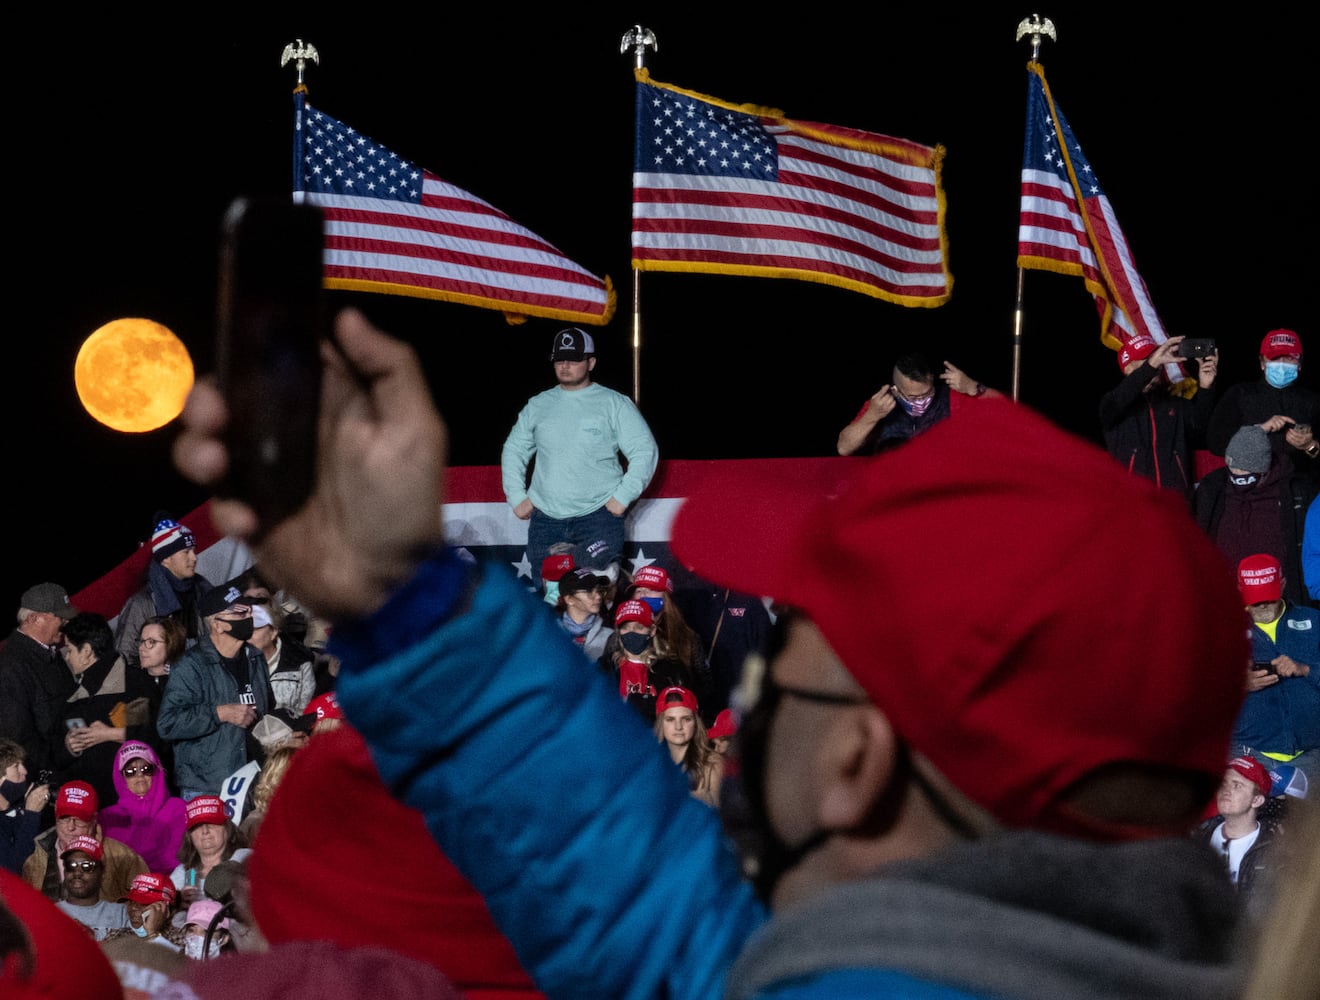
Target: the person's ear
(858, 764)
(591, 363)
(1257, 801)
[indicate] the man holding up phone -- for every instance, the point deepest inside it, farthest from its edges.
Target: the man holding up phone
(1149, 428)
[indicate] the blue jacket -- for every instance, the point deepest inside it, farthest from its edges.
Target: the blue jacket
(557, 803)
(1285, 717)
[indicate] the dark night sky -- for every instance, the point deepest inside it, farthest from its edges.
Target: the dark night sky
(132, 138)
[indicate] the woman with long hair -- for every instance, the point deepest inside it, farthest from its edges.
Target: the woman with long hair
(631, 658)
(674, 638)
(678, 725)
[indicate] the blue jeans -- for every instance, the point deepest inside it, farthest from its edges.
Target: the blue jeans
(598, 526)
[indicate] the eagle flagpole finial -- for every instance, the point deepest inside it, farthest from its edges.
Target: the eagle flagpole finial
(1037, 27)
(300, 51)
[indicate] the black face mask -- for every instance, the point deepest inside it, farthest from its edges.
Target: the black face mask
(240, 628)
(1247, 480)
(764, 855)
(14, 792)
(634, 642)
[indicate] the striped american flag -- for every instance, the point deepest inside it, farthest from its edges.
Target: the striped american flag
(395, 228)
(1067, 225)
(742, 190)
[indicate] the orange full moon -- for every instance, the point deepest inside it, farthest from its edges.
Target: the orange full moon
(133, 375)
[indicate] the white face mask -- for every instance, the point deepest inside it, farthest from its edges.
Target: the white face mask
(192, 947)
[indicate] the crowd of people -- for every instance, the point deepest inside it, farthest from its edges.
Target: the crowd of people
(932, 728)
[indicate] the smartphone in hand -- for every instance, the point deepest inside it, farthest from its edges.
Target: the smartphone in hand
(271, 318)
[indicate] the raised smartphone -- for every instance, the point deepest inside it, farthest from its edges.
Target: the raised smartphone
(271, 318)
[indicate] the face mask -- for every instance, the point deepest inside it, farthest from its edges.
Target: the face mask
(634, 642)
(656, 604)
(916, 407)
(764, 856)
(1280, 373)
(1248, 480)
(13, 792)
(241, 629)
(192, 947)
(552, 592)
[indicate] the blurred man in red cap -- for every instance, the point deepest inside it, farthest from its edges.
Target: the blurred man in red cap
(1280, 720)
(960, 777)
(1149, 429)
(1288, 412)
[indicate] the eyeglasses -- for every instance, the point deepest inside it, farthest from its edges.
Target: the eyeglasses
(146, 770)
(151, 643)
(912, 399)
(87, 866)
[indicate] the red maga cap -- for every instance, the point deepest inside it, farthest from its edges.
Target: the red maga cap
(1280, 344)
(653, 578)
(207, 809)
(970, 582)
(1260, 579)
(675, 697)
(1254, 771)
(634, 611)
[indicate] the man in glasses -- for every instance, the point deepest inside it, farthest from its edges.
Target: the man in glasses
(84, 870)
(217, 691)
(984, 794)
(913, 402)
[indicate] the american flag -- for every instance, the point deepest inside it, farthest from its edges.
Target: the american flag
(395, 228)
(743, 190)
(1067, 225)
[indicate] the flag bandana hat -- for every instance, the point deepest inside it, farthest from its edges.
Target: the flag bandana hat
(1068, 226)
(395, 228)
(737, 189)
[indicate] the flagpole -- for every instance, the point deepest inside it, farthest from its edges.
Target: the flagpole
(299, 53)
(1037, 27)
(637, 38)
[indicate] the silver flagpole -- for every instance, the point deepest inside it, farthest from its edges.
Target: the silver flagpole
(637, 38)
(1037, 27)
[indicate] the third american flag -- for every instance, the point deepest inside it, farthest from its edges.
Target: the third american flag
(1067, 224)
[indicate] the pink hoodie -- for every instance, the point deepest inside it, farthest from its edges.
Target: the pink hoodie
(151, 824)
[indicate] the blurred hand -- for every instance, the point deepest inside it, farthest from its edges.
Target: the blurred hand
(374, 514)
(883, 402)
(1299, 437)
(1275, 423)
(1286, 666)
(1207, 369)
(36, 798)
(1259, 679)
(958, 380)
(1166, 353)
(237, 715)
(615, 508)
(524, 510)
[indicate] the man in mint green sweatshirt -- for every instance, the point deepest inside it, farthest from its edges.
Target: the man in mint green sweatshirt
(579, 491)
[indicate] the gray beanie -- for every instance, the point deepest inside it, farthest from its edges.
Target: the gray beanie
(1248, 450)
